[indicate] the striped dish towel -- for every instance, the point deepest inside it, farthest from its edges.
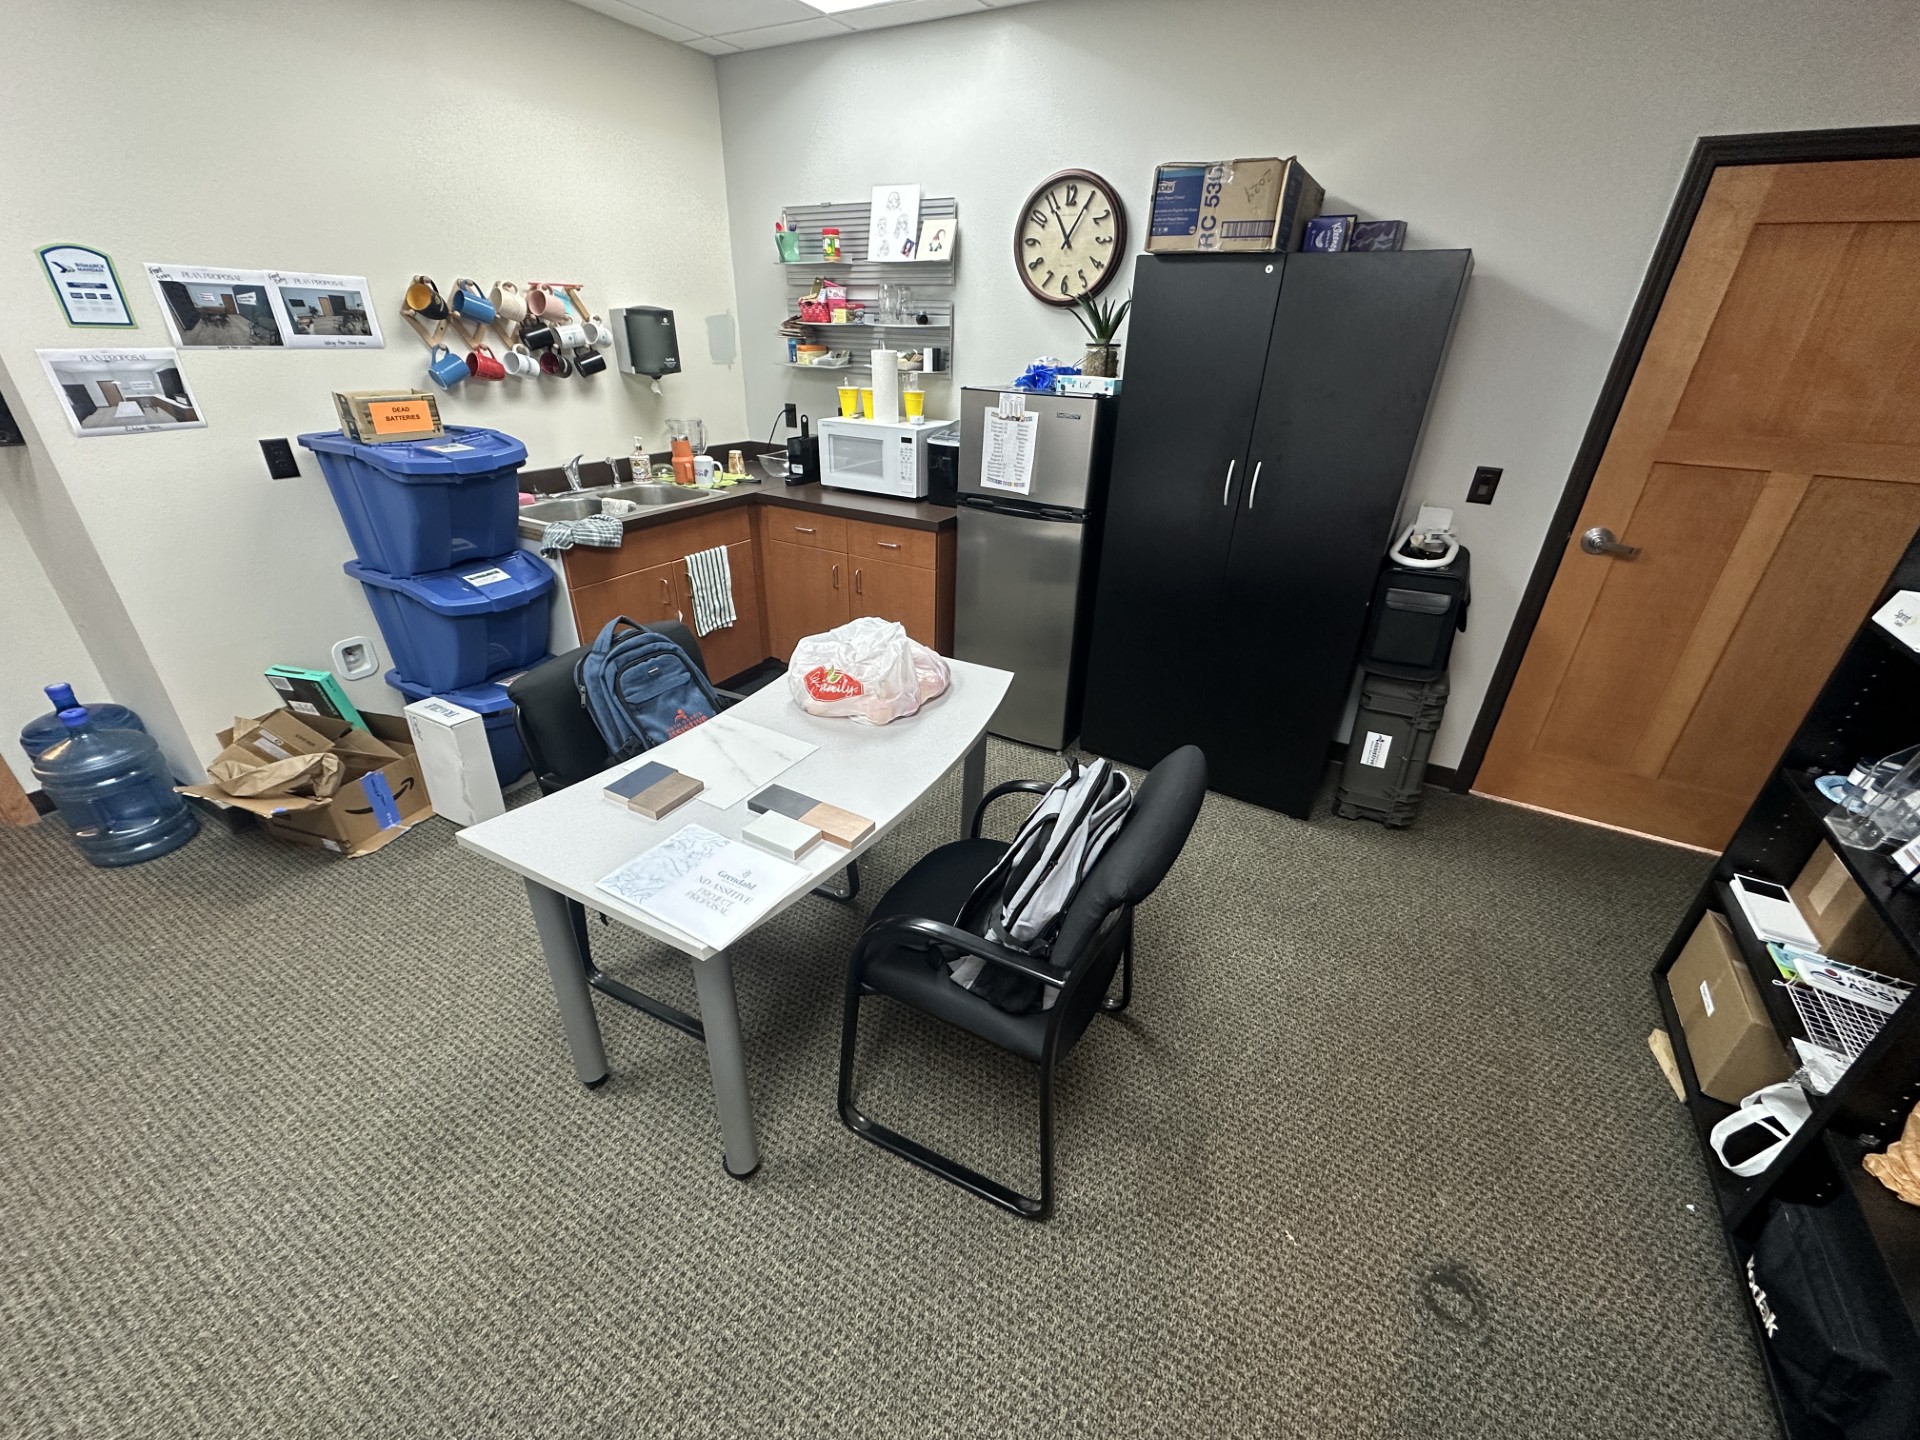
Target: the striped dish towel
(601, 530)
(711, 580)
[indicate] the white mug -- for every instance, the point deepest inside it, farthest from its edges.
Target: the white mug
(520, 362)
(572, 337)
(599, 334)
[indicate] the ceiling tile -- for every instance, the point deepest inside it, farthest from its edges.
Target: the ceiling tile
(906, 12)
(707, 45)
(723, 17)
(819, 28)
(642, 19)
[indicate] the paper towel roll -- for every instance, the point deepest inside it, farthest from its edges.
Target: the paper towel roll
(886, 386)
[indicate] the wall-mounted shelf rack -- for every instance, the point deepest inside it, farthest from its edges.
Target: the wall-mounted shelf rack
(931, 282)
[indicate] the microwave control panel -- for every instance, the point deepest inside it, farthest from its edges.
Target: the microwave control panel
(909, 471)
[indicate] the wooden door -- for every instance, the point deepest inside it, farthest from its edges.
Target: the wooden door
(743, 644)
(807, 591)
(641, 595)
(897, 592)
(1766, 463)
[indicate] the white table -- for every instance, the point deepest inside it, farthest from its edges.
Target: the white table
(563, 844)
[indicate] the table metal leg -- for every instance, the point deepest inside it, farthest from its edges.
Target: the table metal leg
(567, 968)
(973, 783)
(727, 1062)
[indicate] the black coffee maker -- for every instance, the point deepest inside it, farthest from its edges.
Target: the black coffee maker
(803, 456)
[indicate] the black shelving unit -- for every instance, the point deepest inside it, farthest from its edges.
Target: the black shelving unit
(1870, 706)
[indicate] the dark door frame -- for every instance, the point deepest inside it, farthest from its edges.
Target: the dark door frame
(1710, 152)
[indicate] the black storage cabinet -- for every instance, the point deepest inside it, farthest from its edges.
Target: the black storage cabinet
(1274, 404)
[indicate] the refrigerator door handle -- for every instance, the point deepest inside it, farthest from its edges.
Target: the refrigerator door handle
(1253, 490)
(1227, 488)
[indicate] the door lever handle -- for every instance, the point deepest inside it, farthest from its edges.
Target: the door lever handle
(1229, 482)
(1599, 541)
(1253, 490)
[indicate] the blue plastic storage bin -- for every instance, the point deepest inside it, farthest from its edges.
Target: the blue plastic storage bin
(425, 505)
(457, 627)
(488, 699)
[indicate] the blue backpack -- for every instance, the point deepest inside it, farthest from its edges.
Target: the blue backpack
(641, 688)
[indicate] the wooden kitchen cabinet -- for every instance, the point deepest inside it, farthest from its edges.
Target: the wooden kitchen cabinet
(807, 592)
(898, 592)
(642, 595)
(743, 644)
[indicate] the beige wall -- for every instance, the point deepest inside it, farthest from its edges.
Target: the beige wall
(354, 137)
(1548, 137)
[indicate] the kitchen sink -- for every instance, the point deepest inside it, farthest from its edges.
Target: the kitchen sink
(562, 507)
(536, 516)
(645, 494)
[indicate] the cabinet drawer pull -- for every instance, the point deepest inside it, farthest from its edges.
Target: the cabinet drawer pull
(856, 582)
(888, 544)
(804, 529)
(836, 577)
(1227, 487)
(1253, 491)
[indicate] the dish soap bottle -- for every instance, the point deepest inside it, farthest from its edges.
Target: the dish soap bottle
(641, 463)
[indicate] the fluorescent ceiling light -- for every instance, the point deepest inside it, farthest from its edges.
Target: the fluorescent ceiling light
(834, 7)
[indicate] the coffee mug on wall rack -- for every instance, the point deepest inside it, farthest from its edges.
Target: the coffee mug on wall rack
(520, 363)
(509, 305)
(589, 362)
(446, 368)
(546, 303)
(423, 298)
(552, 362)
(599, 333)
(571, 336)
(538, 337)
(470, 304)
(483, 364)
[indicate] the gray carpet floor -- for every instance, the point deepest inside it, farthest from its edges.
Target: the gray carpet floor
(291, 1147)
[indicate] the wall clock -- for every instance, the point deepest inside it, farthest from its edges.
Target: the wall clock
(1070, 237)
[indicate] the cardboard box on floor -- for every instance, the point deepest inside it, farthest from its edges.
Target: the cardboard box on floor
(381, 794)
(1842, 919)
(1730, 1038)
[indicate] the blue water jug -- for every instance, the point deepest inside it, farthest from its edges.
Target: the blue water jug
(45, 730)
(112, 789)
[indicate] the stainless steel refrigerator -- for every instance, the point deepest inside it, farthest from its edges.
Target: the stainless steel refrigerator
(1023, 592)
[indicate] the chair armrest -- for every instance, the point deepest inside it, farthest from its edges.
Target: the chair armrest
(728, 698)
(1012, 787)
(917, 928)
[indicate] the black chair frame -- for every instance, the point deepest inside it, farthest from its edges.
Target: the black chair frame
(925, 933)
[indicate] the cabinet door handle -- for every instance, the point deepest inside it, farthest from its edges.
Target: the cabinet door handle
(858, 587)
(666, 591)
(1229, 482)
(1253, 490)
(804, 529)
(836, 577)
(888, 544)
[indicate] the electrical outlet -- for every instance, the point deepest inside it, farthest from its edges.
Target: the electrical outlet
(1486, 479)
(280, 462)
(791, 415)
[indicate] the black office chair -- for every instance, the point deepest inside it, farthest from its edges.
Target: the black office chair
(905, 948)
(564, 747)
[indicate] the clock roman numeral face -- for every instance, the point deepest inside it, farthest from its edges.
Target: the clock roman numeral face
(1066, 236)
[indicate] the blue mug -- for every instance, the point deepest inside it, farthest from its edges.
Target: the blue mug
(446, 368)
(471, 304)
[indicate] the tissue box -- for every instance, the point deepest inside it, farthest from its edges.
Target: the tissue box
(1378, 235)
(1327, 232)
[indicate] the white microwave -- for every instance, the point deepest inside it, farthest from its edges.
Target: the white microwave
(877, 456)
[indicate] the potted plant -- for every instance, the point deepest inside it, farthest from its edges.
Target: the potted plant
(1101, 319)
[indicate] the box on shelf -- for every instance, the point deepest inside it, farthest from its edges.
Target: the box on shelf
(1230, 206)
(380, 792)
(1732, 1042)
(1086, 385)
(1327, 232)
(313, 692)
(1842, 919)
(1378, 235)
(455, 760)
(387, 417)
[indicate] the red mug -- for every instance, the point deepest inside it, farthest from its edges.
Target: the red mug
(554, 363)
(483, 364)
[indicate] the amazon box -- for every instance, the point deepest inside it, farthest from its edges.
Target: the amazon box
(374, 794)
(1842, 919)
(1730, 1038)
(1210, 207)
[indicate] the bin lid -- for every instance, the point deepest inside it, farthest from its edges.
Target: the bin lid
(489, 697)
(463, 450)
(505, 582)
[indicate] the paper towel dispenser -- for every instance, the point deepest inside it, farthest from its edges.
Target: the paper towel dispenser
(644, 341)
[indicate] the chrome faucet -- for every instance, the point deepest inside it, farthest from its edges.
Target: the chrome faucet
(572, 471)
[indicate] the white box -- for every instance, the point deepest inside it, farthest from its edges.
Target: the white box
(1086, 385)
(451, 742)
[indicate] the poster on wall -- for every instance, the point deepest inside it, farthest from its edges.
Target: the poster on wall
(121, 392)
(893, 227)
(326, 312)
(87, 285)
(208, 308)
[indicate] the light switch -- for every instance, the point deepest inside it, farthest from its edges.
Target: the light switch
(280, 462)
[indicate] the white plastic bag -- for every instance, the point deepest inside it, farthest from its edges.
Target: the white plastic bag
(866, 669)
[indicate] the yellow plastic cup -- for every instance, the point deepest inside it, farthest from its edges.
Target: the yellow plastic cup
(849, 402)
(914, 402)
(866, 401)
